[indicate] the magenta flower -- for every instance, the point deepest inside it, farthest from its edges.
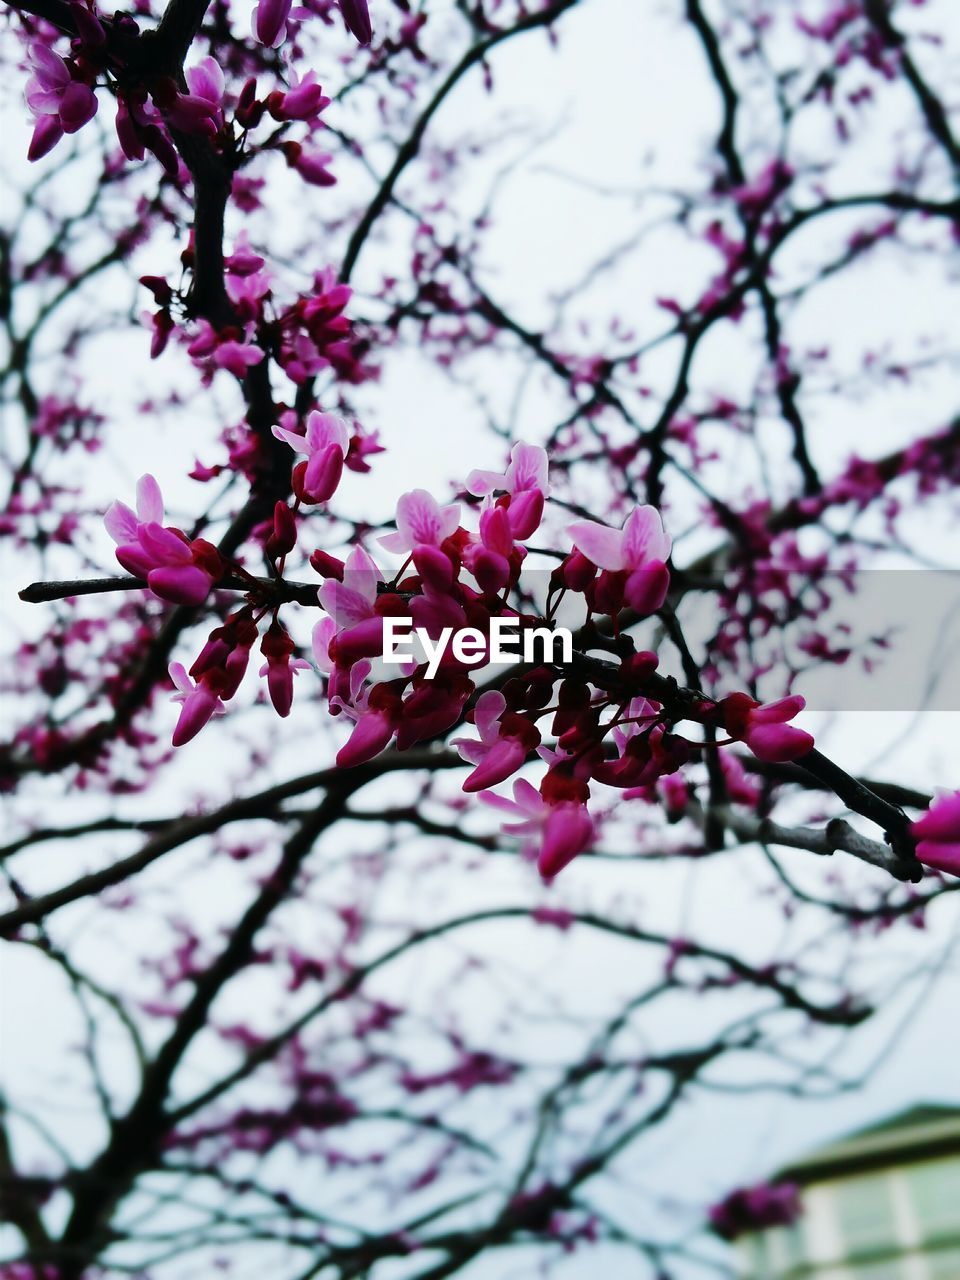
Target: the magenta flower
(552, 833)
(527, 469)
(639, 550)
(224, 350)
(376, 712)
(937, 833)
(175, 568)
(312, 166)
(505, 741)
(325, 441)
(237, 357)
(60, 103)
(356, 627)
(304, 99)
(490, 560)
(206, 81)
(191, 112)
(421, 522)
(765, 729)
(270, 21)
(280, 667)
(198, 704)
(356, 16)
(525, 480)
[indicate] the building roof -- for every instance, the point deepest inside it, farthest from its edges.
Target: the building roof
(921, 1132)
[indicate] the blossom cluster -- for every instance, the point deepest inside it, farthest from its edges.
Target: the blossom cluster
(609, 721)
(152, 108)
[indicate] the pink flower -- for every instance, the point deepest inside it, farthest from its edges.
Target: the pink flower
(490, 561)
(224, 350)
(312, 166)
(270, 21)
(304, 99)
(60, 103)
(189, 112)
(937, 834)
(325, 441)
(527, 469)
(739, 786)
(421, 522)
(175, 568)
(525, 480)
(553, 833)
(376, 712)
(639, 550)
(198, 704)
(352, 600)
(764, 728)
(237, 357)
(362, 445)
(505, 741)
(206, 81)
(356, 16)
(280, 667)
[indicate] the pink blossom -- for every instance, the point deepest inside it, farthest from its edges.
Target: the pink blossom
(190, 113)
(244, 261)
(237, 357)
(60, 103)
(352, 601)
(270, 21)
(198, 704)
(553, 833)
(363, 445)
(505, 741)
(225, 349)
(764, 728)
(937, 833)
(377, 714)
(527, 469)
(739, 786)
(421, 522)
(640, 541)
(175, 568)
(280, 667)
(525, 480)
(312, 166)
(356, 16)
(206, 81)
(325, 441)
(304, 100)
(492, 560)
(639, 550)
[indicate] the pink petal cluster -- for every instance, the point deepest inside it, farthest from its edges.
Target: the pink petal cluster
(506, 739)
(633, 560)
(622, 735)
(356, 16)
(59, 99)
(224, 349)
(325, 442)
(937, 834)
(270, 21)
(524, 481)
(764, 728)
(552, 832)
(176, 568)
(421, 522)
